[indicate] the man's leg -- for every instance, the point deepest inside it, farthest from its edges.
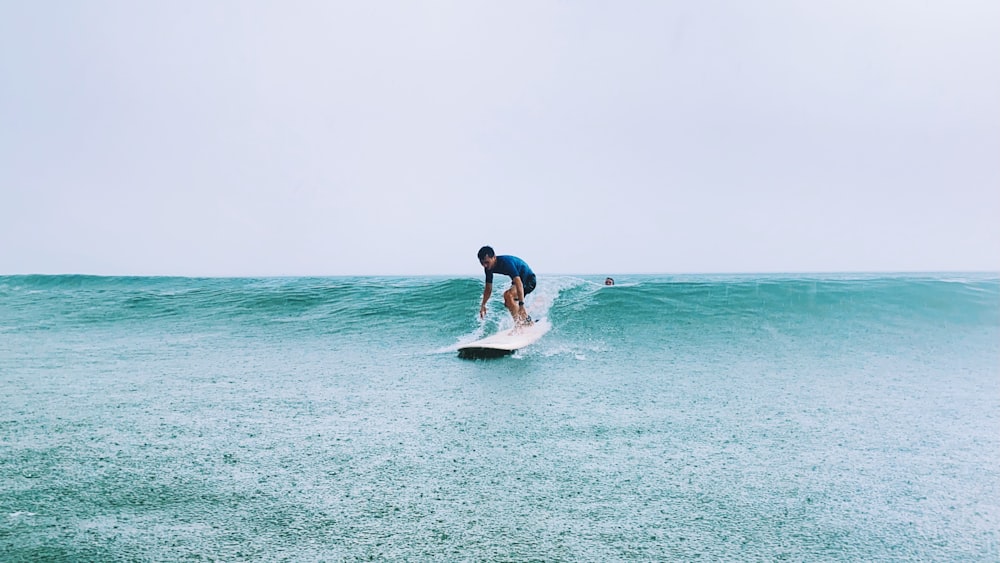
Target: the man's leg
(510, 301)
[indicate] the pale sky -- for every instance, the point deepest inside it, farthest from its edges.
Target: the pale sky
(353, 138)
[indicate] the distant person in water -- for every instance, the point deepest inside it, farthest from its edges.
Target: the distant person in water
(522, 282)
(609, 281)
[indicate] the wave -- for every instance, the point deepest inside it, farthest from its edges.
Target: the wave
(450, 305)
(907, 296)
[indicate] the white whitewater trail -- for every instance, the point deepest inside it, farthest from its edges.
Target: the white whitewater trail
(538, 304)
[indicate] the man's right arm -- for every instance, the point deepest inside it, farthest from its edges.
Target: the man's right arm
(487, 291)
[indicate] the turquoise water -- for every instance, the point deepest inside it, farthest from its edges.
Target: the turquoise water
(838, 417)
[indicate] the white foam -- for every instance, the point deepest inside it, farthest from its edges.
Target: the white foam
(545, 295)
(21, 514)
(538, 304)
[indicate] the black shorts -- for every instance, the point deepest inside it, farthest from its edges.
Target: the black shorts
(529, 284)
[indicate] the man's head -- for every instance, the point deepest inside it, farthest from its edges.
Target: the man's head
(487, 257)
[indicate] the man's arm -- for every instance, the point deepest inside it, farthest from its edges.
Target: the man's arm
(487, 291)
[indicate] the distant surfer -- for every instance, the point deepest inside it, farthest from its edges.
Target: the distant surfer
(609, 281)
(522, 282)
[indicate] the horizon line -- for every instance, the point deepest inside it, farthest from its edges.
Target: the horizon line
(476, 275)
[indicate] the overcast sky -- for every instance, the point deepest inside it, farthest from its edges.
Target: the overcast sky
(354, 138)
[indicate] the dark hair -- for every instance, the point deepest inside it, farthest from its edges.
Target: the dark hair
(486, 252)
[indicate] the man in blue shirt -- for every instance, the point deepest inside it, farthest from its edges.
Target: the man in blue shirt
(522, 283)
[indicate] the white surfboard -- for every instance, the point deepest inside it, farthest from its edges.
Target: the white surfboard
(506, 342)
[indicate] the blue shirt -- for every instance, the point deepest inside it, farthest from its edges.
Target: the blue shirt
(509, 266)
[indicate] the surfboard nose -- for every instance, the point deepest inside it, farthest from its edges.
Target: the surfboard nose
(505, 343)
(483, 353)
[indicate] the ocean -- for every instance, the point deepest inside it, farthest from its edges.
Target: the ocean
(841, 417)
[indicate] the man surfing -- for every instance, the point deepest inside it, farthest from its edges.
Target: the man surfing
(522, 282)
